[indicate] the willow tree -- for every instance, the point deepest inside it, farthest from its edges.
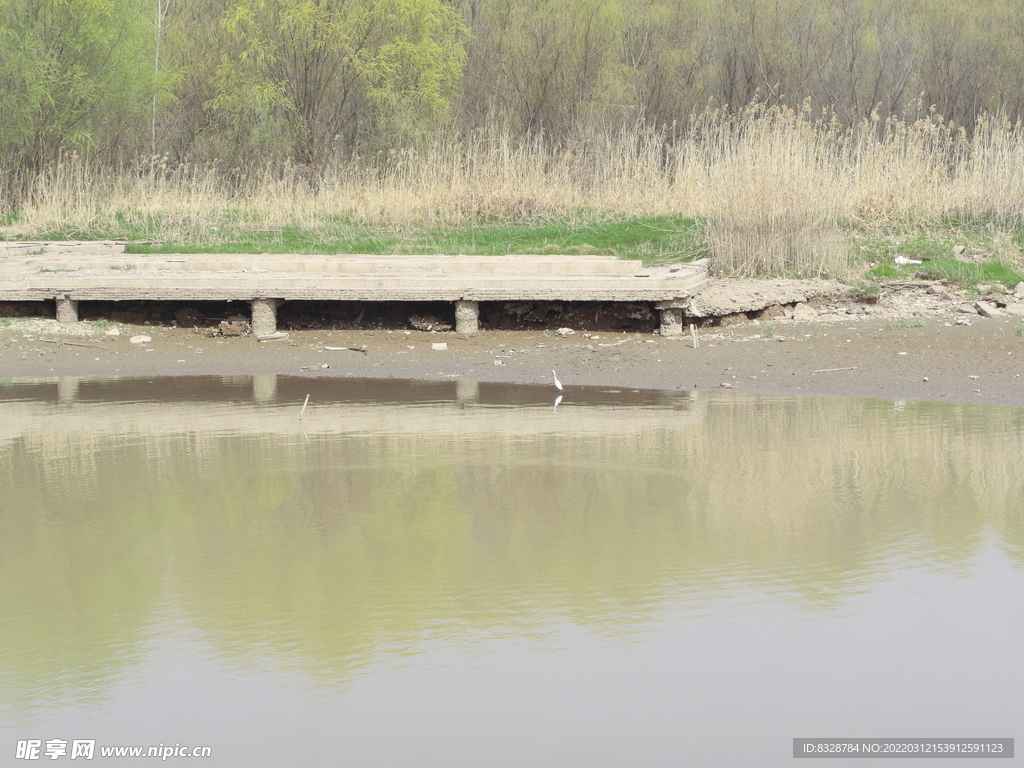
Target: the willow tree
(324, 74)
(74, 74)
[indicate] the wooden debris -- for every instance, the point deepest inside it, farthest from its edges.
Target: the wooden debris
(60, 342)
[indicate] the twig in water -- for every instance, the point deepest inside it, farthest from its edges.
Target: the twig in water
(72, 343)
(303, 407)
(350, 349)
(829, 370)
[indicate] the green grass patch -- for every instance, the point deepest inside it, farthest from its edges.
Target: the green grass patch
(967, 275)
(907, 322)
(934, 238)
(994, 271)
(655, 239)
(888, 272)
(998, 241)
(866, 292)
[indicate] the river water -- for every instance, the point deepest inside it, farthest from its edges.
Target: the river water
(454, 574)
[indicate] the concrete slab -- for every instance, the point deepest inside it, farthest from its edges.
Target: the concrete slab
(340, 264)
(101, 271)
(733, 296)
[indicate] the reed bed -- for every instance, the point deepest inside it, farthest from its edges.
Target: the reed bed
(777, 187)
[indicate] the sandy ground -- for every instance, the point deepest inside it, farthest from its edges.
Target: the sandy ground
(854, 356)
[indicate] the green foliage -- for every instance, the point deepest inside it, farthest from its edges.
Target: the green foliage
(317, 73)
(411, 77)
(74, 74)
(906, 322)
(243, 84)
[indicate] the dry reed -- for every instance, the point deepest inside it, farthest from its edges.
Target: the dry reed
(775, 185)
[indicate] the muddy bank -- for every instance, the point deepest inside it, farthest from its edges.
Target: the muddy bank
(907, 341)
(849, 355)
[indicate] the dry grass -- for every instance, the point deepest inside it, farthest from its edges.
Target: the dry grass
(774, 184)
(792, 246)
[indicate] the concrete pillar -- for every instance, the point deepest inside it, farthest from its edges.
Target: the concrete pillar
(67, 310)
(264, 388)
(467, 316)
(671, 323)
(264, 316)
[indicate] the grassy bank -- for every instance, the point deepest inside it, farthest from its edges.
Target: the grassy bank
(763, 192)
(652, 239)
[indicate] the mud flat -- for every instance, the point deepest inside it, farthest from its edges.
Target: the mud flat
(909, 345)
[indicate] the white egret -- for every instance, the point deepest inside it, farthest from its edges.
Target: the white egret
(557, 382)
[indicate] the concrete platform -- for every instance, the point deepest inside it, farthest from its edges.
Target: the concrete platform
(71, 272)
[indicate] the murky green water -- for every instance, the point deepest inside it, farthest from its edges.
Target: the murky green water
(462, 575)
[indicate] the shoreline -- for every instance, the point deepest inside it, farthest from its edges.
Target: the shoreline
(852, 356)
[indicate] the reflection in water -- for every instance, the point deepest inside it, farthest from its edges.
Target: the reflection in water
(425, 527)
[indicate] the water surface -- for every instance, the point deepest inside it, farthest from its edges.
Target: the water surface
(453, 574)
